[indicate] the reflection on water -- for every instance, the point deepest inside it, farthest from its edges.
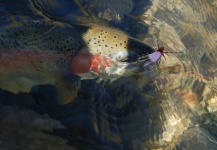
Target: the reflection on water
(172, 106)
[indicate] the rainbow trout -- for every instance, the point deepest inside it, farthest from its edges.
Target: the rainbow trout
(35, 51)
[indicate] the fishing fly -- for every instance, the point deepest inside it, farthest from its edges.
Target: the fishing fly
(151, 60)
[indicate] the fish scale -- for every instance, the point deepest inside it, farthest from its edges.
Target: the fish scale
(37, 35)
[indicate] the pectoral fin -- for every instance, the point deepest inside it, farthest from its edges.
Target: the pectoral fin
(67, 88)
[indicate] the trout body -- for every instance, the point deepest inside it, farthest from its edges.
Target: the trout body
(34, 51)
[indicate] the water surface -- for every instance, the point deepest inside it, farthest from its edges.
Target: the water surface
(171, 107)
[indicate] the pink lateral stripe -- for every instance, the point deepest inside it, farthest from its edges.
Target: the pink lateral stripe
(14, 59)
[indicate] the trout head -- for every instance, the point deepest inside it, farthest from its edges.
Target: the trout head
(109, 54)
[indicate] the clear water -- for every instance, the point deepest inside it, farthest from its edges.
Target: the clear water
(171, 107)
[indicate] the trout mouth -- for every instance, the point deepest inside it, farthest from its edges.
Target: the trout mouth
(125, 67)
(131, 63)
(141, 64)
